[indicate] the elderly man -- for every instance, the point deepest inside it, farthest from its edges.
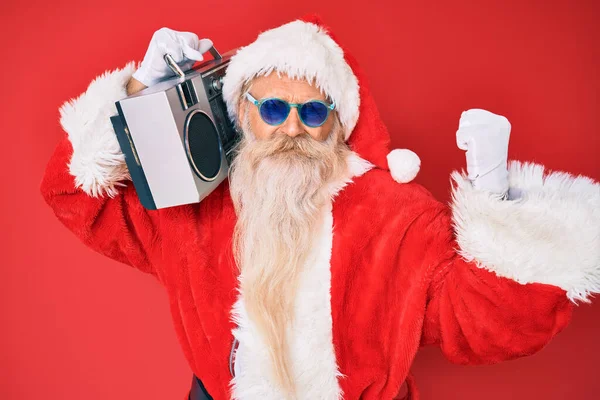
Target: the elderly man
(318, 269)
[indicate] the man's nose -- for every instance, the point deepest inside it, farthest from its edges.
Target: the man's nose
(293, 124)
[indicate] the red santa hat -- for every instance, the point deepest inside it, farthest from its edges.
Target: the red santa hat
(305, 48)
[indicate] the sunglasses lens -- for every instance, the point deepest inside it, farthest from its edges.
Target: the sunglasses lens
(314, 113)
(274, 111)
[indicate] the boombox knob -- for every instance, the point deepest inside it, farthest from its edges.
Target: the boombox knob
(217, 84)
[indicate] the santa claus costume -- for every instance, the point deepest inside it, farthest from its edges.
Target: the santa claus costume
(392, 269)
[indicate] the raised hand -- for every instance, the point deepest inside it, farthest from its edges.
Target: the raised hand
(484, 136)
(185, 48)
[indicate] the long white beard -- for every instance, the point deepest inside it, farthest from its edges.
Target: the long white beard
(279, 187)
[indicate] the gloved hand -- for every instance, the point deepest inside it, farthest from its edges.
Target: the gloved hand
(485, 135)
(185, 48)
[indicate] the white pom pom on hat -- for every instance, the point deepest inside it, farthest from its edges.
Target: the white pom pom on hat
(404, 165)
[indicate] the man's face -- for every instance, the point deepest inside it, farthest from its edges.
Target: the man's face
(292, 91)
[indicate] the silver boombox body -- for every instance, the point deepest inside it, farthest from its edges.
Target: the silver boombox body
(176, 135)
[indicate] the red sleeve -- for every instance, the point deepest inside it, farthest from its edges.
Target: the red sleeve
(118, 227)
(474, 315)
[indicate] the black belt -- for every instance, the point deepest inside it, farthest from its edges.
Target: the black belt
(198, 391)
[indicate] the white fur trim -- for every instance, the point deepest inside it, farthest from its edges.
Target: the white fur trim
(404, 165)
(313, 359)
(550, 234)
(301, 50)
(357, 166)
(97, 163)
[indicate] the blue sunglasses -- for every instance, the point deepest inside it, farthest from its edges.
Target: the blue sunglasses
(275, 111)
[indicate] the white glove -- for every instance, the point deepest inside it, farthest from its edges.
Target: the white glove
(485, 135)
(185, 48)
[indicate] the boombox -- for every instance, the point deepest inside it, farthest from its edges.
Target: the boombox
(176, 136)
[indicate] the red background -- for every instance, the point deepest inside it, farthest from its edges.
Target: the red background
(75, 324)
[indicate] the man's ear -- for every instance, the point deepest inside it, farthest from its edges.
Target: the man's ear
(240, 117)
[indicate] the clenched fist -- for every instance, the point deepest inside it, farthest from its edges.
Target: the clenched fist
(485, 135)
(185, 48)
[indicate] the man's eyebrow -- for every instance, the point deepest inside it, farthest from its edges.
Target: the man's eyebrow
(279, 95)
(288, 96)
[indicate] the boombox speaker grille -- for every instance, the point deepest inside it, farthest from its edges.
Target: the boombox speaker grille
(203, 146)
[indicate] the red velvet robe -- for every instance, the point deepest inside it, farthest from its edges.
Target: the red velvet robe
(405, 269)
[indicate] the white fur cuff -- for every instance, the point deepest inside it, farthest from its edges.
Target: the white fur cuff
(98, 163)
(549, 234)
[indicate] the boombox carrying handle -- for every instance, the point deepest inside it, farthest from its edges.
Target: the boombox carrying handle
(177, 70)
